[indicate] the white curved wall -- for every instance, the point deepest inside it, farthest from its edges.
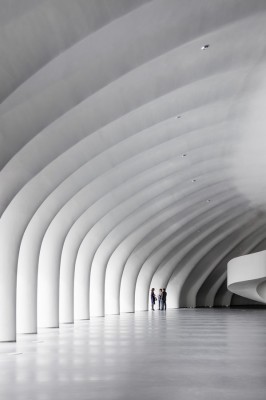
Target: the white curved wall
(122, 147)
(246, 276)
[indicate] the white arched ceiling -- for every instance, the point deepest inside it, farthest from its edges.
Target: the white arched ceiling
(123, 151)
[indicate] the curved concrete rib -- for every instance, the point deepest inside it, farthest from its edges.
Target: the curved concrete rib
(246, 276)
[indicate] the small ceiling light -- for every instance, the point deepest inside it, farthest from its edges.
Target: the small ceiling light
(184, 155)
(208, 201)
(178, 116)
(205, 47)
(194, 180)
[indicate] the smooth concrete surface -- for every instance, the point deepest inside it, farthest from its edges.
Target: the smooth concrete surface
(208, 354)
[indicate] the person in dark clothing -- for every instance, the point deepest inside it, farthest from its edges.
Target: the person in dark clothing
(160, 299)
(163, 299)
(153, 299)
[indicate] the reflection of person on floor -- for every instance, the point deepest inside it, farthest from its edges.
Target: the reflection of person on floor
(153, 299)
(163, 299)
(159, 299)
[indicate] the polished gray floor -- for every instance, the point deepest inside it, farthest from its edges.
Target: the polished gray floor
(179, 354)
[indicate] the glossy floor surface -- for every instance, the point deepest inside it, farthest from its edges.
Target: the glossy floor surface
(179, 354)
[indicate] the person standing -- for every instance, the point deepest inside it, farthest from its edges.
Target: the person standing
(160, 299)
(163, 299)
(153, 299)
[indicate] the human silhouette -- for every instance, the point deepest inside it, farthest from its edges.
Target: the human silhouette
(163, 299)
(153, 299)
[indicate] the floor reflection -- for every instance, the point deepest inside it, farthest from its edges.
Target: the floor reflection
(181, 354)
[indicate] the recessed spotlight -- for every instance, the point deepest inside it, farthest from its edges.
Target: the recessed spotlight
(206, 46)
(194, 180)
(184, 155)
(178, 116)
(208, 201)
